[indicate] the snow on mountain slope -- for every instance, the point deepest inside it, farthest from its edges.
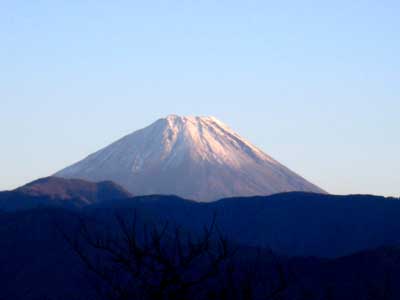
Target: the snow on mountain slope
(198, 158)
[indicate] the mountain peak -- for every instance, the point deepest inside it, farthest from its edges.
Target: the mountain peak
(191, 119)
(199, 158)
(174, 116)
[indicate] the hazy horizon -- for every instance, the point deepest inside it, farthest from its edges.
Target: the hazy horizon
(314, 85)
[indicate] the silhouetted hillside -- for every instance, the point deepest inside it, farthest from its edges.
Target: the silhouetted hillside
(53, 191)
(303, 224)
(37, 262)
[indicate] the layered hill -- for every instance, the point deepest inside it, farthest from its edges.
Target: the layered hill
(38, 263)
(293, 224)
(86, 191)
(53, 191)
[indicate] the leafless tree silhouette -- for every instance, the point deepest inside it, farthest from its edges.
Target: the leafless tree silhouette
(164, 262)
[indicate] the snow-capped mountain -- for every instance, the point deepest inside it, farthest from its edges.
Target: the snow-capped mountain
(197, 158)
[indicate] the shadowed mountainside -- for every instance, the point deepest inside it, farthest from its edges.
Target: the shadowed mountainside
(38, 263)
(337, 231)
(290, 223)
(56, 191)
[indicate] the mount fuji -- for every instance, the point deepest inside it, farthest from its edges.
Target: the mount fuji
(198, 158)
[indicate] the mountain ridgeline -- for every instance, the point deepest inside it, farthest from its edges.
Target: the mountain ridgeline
(352, 239)
(60, 192)
(198, 158)
(294, 224)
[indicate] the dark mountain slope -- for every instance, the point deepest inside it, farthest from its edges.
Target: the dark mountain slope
(53, 191)
(37, 263)
(66, 189)
(289, 223)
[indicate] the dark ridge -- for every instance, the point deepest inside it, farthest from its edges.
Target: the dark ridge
(53, 191)
(61, 188)
(294, 224)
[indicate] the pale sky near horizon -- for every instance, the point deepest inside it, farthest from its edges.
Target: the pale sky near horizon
(315, 84)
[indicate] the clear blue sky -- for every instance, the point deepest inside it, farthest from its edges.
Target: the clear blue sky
(316, 84)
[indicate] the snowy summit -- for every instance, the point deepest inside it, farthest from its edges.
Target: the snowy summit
(198, 158)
